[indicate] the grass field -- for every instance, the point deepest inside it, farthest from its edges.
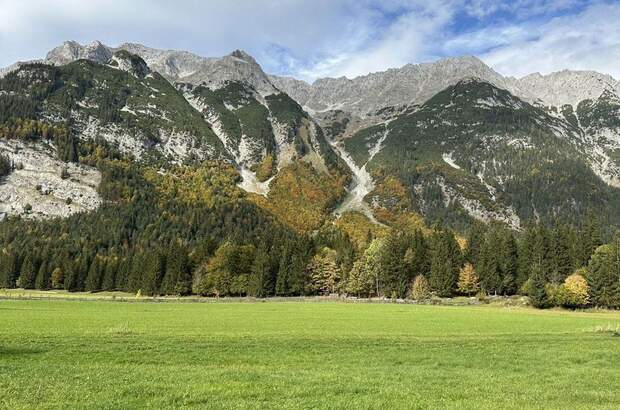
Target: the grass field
(75, 354)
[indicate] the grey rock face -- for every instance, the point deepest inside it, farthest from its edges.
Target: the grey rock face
(176, 66)
(70, 51)
(411, 84)
(37, 190)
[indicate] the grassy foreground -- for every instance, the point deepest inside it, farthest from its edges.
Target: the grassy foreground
(75, 354)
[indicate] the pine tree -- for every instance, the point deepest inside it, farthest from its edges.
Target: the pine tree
(395, 275)
(109, 275)
(134, 280)
(152, 274)
(561, 254)
(489, 263)
(299, 276)
(93, 279)
(590, 238)
(538, 292)
(445, 264)
(9, 269)
(27, 274)
(184, 282)
(475, 241)
(604, 276)
(284, 275)
(70, 281)
(43, 277)
(261, 276)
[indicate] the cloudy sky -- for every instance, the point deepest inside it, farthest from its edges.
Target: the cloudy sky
(318, 38)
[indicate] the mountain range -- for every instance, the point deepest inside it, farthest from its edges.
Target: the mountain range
(451, 140)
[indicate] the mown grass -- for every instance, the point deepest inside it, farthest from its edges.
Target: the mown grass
(76, 354)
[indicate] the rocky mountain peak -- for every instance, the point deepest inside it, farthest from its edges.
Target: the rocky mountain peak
(242, 55)
(176, 66)
(568, 86)
(410, 84)
(71, 50)
(131, 63)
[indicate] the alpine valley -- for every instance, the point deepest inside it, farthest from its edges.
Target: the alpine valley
(111, 154)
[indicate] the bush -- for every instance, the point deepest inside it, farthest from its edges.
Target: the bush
(574, 292)
(57, 278)
(420, 289)
(6, 166)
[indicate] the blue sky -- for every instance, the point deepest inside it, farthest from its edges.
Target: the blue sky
(309, 39)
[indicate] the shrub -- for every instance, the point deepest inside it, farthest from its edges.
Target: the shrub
(6, 166)
(58, 278)
(574, 292)
(420, 289)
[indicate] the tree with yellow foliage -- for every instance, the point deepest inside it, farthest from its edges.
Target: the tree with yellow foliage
(468, 280)
(574, 292)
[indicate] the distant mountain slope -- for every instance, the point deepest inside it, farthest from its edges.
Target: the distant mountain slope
(416, 83)
(476, 150)
(176, 66)
(82, 101)
(410, 84)
(451, 140)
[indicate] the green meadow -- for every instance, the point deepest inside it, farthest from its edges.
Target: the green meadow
(104, 354)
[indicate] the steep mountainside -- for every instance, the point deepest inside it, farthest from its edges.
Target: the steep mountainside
(87, 98)
(176, 66)
(411, 84)
(476, 150)
(450, 140)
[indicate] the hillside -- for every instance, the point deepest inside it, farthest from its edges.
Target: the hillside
(162, 172)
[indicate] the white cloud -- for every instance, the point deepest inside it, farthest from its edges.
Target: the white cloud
(316, 38)
(410, 37)
(589, 40)
(518, 8)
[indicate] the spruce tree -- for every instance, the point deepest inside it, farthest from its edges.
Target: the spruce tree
(134, 281)
(445, 264)
(152, 274)
(489, 263)
(109, 275)
(538, 292)
(475, 241)
(260, 276)
(43, 277)
(604, 276)
(183, 284)
(508, 263)
(561, 254)
(284, 275)
(27, 274)
(93, 279)
(9, 269)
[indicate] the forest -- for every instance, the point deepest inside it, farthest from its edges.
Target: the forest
(169, 229)
(192, 231)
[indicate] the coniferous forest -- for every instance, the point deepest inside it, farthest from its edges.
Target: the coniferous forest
(192, 231)
(169, 227)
